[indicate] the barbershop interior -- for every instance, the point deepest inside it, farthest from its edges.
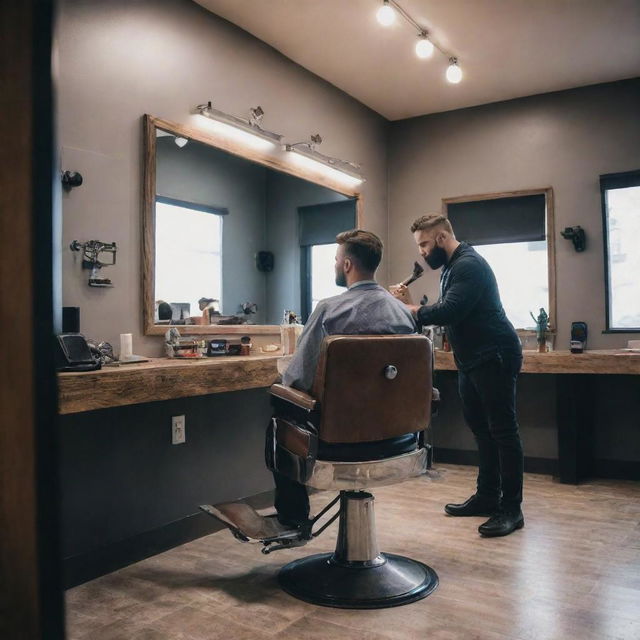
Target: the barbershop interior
(176, 173)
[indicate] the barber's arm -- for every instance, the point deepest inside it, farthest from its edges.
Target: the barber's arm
(466, 288)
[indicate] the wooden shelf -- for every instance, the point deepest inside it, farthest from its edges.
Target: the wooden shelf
(163, 379)
(601, 362)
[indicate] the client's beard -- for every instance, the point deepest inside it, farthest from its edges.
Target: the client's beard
(341, 279)
(436, 258)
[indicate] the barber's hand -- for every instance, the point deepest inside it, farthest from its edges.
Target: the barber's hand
(401, 292)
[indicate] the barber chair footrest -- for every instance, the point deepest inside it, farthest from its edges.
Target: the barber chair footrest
(320, 580)
(247, 525)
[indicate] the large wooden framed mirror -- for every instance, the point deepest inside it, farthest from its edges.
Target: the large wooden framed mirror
(230, 234)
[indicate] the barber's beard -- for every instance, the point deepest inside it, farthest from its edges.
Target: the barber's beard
(341, 279)
(436, 258)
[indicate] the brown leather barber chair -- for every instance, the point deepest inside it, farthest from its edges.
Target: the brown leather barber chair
(361, 427)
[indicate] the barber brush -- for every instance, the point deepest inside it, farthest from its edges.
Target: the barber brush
(418, 270)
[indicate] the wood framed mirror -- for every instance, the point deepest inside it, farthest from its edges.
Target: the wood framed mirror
(227, 231)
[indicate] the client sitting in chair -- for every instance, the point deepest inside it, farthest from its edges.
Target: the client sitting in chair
(350, 415)
(364, 308)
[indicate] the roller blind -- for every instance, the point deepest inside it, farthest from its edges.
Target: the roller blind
(321, 223)
(500, 220)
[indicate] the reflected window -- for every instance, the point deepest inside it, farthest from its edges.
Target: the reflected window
(323, 284)
(621, 221)
(188, 256)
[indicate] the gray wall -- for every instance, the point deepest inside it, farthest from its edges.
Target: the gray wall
(124, 58)
(284, 195)
(564, 140)
(205, 175)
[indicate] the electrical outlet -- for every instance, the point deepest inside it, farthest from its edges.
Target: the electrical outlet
(178, 432)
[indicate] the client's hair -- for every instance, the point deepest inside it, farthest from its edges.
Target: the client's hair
(431, 221)
(363, 247)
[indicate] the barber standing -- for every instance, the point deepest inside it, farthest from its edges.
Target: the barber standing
(488, 356)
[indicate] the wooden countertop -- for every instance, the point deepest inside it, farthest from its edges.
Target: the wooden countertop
(166, 378)
(603, 362)
(163, 379)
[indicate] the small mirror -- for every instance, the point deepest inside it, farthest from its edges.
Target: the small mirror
(231, 239)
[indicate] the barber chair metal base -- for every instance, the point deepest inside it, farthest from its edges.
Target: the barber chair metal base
(357, 575)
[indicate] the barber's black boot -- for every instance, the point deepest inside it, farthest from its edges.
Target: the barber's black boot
(475, 506)
(502, 524)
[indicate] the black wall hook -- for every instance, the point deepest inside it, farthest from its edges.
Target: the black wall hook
(71, 179)
(577, 236)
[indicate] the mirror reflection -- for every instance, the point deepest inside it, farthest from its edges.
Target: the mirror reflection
(236, 241)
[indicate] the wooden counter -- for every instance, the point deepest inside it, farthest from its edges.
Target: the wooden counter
(163, 379)
(599, 362)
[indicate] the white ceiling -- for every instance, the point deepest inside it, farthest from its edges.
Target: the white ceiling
(506, 48)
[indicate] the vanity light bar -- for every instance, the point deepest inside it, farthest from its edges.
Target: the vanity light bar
(239, 123)
(346, 169)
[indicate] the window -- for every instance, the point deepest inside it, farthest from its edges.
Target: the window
(514, 234)
(319, 226)
(621, 230)
(188, 254)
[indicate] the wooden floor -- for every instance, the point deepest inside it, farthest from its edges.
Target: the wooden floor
(573, 573)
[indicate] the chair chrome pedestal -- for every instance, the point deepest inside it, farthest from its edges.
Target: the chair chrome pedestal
(357, 575)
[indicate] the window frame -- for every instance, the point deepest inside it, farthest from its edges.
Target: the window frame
(620, 180)
(549, 237)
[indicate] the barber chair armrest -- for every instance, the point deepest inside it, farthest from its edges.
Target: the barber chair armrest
(294, 396)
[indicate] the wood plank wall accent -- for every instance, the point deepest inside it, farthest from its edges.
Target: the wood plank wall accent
(595, 362)
(163, 380)
(150, 124)
(551, 236)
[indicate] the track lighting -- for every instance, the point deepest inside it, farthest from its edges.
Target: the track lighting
(386, 15)
(247, 131)
(424, 46)
(454, 72)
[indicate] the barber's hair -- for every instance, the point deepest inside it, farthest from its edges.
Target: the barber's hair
(364, 247)
(431, 221)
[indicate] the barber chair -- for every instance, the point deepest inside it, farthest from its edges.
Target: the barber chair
(362, 426)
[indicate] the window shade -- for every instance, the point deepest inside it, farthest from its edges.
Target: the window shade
(321, 223)
(500, 220)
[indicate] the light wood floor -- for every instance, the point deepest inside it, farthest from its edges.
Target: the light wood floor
(573, 573)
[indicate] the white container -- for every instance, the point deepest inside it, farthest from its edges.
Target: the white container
(126, 346)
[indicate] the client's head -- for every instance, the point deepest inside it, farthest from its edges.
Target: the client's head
(357, 257)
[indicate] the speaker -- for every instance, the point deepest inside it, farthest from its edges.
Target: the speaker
(70, 319)
(73, 354)
(264, 261)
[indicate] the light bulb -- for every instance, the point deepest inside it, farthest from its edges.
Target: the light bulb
(454, 72)
(424, 47)
(386, 15)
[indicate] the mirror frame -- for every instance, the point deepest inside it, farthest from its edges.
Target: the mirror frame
(277, 162)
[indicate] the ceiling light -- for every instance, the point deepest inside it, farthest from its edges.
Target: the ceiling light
(424, 46)
(180, 141)
(305, 154)
(246, 131)
(386, 15)
(454, 72)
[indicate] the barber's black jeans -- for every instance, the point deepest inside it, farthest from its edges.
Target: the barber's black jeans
(488, 394)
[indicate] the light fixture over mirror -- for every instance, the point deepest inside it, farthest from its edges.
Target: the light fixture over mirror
(210, 208)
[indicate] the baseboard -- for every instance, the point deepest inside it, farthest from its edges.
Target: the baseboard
(617, 469)
(98, 562)
(608, 469)
(546, 466)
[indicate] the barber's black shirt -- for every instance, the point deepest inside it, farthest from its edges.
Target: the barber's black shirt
(470, 309)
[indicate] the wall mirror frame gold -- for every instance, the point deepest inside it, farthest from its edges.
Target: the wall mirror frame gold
(274, 161)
